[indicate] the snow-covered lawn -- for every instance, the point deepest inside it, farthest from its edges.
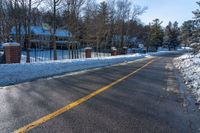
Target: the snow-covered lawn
(17, 73)
(189, 66)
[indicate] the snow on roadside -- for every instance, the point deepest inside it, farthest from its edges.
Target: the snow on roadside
(189, 65)
(17, 73)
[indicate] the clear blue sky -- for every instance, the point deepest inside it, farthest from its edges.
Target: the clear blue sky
(167, 10)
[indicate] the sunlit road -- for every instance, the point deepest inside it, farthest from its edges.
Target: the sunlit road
(146, 96)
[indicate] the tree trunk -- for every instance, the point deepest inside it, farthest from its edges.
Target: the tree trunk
(29, 34)
(54, 32)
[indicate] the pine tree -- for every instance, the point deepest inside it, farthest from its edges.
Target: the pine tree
(171, 37)
(156, 34)
(197, 13)
(103, 24)
(175, 35)
(186, 32)
(196, 29)
(103, 18)
(167, 35)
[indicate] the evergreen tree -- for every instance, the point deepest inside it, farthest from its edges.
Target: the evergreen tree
(186, 32)
(197, 13)
(196, 29)
(171, 37)
(167, 35)
(103, 19)
(156, 34)
(103, 25)
(175, 35)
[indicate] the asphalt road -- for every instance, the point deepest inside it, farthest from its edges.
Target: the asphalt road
(153, 99)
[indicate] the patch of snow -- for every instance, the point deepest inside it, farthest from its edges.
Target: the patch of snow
(10, 44)
(189, 65)
(187, 48)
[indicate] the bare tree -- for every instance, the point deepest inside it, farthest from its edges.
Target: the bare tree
(127, 11)
(1, 20)
(54, 5)
(6, 19)
(112, 18)
(74, 8)
(29, 15)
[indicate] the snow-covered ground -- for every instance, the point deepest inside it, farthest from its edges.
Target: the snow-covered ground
(17, 73)
(189, 65)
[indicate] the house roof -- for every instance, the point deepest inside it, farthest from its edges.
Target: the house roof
(63, 33)
(39, 30)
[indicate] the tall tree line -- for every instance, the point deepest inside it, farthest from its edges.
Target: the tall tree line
(190, 30)
(92, 23)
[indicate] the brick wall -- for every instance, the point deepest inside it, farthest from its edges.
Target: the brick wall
(113, 51)
(12, 54)
(88, 52)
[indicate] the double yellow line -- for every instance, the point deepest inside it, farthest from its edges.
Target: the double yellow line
(76, 103)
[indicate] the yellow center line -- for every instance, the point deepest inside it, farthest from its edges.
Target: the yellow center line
(76, 103)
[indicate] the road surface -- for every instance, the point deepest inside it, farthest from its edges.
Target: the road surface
(145, 96)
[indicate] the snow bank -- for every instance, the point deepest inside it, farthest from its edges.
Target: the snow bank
(189, 65)
(17, 73)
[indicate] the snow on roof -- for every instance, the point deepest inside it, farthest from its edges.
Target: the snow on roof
(10, 44)
(39, 30)
(63, 33)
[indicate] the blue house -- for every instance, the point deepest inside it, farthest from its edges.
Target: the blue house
(42, 36)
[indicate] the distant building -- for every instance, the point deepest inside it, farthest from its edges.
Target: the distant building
(128, 40)
(42, 36)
